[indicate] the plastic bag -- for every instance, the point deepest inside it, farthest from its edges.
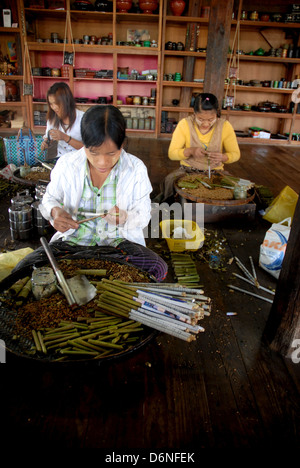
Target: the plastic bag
(272, 250)
(9, 260)
(283, 206)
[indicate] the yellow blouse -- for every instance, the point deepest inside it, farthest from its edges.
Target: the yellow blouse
(181, 140)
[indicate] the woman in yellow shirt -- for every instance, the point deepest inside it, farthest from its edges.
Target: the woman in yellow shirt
(202, 141)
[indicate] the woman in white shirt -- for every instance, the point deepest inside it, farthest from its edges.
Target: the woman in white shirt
(63, 120)
(98, 200)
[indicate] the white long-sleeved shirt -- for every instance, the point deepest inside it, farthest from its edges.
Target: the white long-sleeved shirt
(132, 193)
(74, 132)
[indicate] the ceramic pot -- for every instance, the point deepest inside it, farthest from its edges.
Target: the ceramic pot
(11, 91)
(177, 7)
(148, 6)
(124, 5)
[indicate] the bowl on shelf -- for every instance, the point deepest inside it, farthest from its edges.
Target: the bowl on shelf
(123, 6)
(148, 6)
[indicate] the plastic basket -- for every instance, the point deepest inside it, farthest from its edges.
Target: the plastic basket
(179, 245)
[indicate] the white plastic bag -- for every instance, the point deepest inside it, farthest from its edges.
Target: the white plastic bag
(272, 250)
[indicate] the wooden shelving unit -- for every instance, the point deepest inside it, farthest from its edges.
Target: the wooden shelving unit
(163, 26)
(72, 24)
(250, 65)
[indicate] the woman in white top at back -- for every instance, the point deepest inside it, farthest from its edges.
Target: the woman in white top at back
(63, 120)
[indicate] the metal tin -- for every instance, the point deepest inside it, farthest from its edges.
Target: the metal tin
(254, 15)
(43, 282)
(39, 222)
(137, 100)
(240, 192)
(55, 72)
(21, 199)
(20, 222)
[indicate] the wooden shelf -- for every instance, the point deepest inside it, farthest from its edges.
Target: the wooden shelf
(12, 104)
(182, 84)
(264, 89)
(186, 19)
(272, 115)
(9, 30)
(266, 58)
(45, 13)
(184, 53)
(266, 24)
(11, 77)
(137, 17)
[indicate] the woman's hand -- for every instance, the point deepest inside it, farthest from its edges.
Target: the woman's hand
(116, 216)
(57, 135)
(216, 158)
(62, 221)
(44, 145)
(196, 153)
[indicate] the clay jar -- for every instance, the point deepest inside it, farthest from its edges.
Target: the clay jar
(11, 91)
(177, 7)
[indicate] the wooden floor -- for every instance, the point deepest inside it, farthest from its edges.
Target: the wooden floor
(226, 390)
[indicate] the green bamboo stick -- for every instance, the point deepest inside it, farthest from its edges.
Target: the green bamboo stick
(90, 272)
(36, 340)
(40, 338)
(17, 286)
(104, 343)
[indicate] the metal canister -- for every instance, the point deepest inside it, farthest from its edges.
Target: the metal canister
(43, 282)
(40, 190)
(39, 222)
(240, 192)
(22, 198)
(20, 222)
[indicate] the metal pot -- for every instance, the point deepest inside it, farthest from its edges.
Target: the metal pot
(20, 222)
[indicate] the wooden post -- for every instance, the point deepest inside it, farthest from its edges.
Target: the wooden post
(283, 325)
(217, 47)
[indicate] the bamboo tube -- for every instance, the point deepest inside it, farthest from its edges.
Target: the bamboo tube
(91, 272)
(36, 341)
(40, 338)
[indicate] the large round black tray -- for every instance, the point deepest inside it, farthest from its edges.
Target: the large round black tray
(21, 347)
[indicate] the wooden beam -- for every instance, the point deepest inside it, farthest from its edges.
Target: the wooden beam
(283, 325)
(217, 47)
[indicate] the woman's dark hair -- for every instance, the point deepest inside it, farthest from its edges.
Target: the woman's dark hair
(206, 102)
(100, 123)
(64, 98)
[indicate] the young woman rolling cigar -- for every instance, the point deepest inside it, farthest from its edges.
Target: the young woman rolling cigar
(107, 188)
(203, 142)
